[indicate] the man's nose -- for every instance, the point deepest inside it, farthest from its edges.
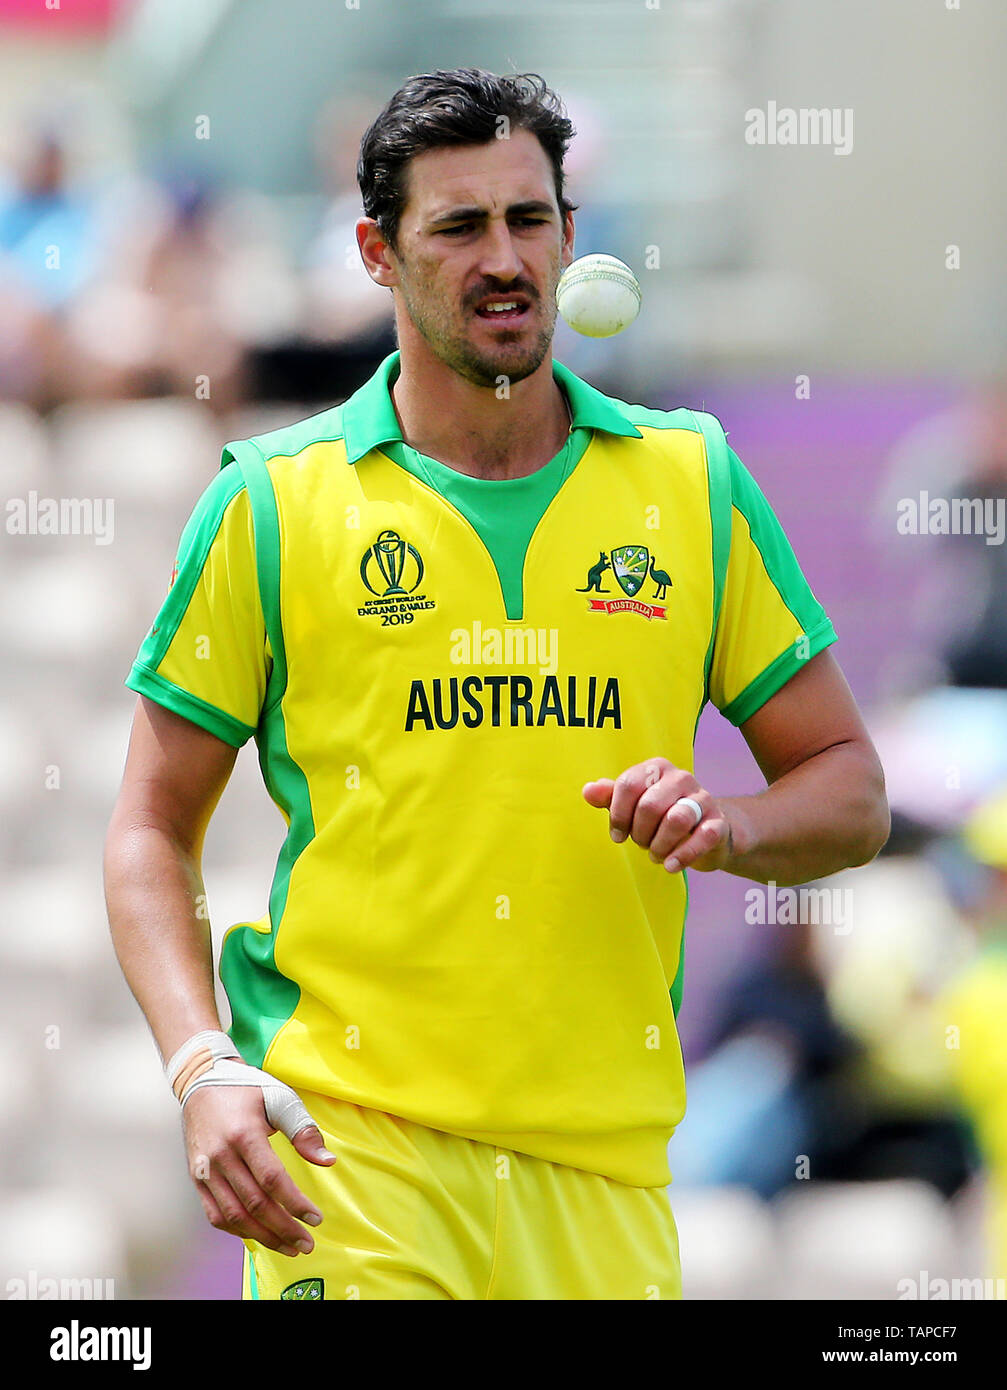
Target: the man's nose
(498, 254)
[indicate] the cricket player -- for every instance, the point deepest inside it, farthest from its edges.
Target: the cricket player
(470, 618)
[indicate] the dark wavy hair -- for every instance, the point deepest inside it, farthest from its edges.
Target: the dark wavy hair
(460, 107)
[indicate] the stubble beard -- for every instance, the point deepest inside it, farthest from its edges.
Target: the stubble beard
(448, 341)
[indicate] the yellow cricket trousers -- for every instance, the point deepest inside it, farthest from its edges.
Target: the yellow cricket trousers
(415, 1213)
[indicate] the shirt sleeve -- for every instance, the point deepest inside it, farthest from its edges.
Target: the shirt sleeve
(770, 622)
(207, 656)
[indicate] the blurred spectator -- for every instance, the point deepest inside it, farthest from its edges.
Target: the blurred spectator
(943, 752)
(342, 302)
(956, 457)
(197, 280)
(346, 326)
(600, 224)
(50, 235)
(972, 1015)
(976, 651)
(883, 972)
(770, 1093)
(824, 1063)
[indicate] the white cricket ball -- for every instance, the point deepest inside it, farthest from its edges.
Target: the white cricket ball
(598, 296)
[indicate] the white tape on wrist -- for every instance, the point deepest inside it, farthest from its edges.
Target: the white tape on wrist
(210, 1058)
(196, 1056)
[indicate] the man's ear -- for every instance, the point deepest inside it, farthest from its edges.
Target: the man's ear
(566, 256)
(376, 254)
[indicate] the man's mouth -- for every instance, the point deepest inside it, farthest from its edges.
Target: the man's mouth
(501, 309)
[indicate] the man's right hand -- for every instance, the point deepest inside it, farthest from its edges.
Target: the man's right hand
(244, 1188)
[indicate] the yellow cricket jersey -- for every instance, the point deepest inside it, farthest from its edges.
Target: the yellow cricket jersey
(432, 666)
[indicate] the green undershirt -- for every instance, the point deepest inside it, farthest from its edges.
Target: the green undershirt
(503, 511)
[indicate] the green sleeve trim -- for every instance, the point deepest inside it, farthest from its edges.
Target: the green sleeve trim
(776, 675)
(193, 548)
(163, 692)
(266, 524)
(718, 474)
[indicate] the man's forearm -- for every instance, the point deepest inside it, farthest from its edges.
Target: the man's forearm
(827, 814)
(160, 930)
(156, 911)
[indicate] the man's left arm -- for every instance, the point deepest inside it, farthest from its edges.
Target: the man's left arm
(824, 808)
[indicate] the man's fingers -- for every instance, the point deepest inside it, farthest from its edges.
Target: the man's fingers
(641, 797)
(644, 804)
(655, 808)
(630, 786)
(227, 1137)
(209, 1204)
(678, 823)
(258, 1193)
(270, 1174)
(225, 1212)
(310, 1145)
(708, 835)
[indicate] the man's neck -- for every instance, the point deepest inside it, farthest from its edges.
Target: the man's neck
(469, 428)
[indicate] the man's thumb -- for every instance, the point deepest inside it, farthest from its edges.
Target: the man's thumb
(599, 792)
(286, 1112)
(310, 1145)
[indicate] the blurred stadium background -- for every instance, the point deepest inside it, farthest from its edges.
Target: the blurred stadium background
(177, 269)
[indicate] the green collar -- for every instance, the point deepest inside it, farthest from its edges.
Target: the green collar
(369, 417)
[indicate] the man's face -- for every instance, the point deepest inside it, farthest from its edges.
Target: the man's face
(481, 225)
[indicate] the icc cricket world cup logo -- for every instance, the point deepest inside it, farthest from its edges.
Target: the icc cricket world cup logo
(394, 560)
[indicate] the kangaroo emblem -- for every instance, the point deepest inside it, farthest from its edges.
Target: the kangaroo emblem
(594, 575)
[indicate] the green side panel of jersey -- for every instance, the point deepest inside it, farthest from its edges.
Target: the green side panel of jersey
(719, 484)
(262, 999)
(679, 980)
(781, 565)
(719, 479)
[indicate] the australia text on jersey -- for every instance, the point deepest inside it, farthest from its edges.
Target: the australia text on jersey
(517, 701)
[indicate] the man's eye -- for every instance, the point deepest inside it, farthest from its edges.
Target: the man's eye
(467, 226)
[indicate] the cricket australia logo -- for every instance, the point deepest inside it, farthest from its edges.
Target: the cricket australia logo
(306, 1291)
(632, 566)
(392, 570)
